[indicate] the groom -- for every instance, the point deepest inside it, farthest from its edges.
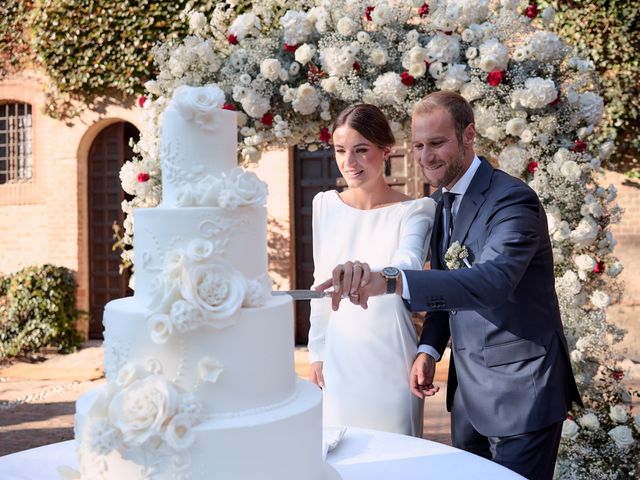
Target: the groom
(510, 380)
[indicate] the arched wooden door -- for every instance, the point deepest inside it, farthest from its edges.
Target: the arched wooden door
(315, 172)
(108, 152)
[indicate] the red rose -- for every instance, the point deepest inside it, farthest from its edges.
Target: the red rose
(617, 374)
(569, 416)
(325, 136)
(143, 177)
(532, 167)
(356, 66)
(267, 119)
(423, 11)
(367, 14)
(407, 79)
(532, 10)
(229, 106)
(141, 100)
(579, 146)
(232, 39)
(496, 77)
(290, 48)
(598, 267)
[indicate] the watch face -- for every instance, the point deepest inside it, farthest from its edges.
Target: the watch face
(390, 272)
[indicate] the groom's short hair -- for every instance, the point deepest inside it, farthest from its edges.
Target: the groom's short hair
(460, 110)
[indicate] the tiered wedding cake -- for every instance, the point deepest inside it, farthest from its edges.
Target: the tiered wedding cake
(199, 363)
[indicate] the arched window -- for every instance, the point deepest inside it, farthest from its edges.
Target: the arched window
(16, 160)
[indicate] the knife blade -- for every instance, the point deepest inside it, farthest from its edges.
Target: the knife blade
(303, 294)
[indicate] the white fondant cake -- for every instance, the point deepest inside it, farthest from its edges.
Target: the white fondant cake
(199, 362)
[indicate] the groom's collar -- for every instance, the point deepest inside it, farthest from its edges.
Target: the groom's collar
(461, 186)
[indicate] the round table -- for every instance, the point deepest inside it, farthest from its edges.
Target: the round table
(361, 455)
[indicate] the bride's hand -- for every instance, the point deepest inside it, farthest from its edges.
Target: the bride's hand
(315, 374)
(347, 279)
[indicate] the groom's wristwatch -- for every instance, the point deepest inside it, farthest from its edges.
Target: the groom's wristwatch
(391, 275)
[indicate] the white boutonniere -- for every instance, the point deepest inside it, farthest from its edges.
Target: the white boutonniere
(456, 256)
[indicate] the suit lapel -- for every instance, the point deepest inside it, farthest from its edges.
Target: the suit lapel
(471, 202)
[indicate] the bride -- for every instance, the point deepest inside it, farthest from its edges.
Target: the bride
(362, 358)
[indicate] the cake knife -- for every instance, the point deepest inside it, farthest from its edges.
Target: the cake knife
(302, 294)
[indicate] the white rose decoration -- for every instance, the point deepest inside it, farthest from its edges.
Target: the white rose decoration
(538, 93)
(200, 105)
(570, 429)
(516, 126)
(585, 262)
(622, 436)
(514, 159)
(179, 434)
(254, 104)
(270, 68)
(216, 289)
(589, 421)
(141, 410)
(618, 414)
(243, 188)
(161, 328)
(304, 53)
(544, 46)
(600, 299)
(585, 233)
(378, 56)
(346, 26)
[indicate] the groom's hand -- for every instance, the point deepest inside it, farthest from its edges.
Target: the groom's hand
(421, 376)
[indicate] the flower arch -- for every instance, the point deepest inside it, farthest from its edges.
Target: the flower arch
(288, 66)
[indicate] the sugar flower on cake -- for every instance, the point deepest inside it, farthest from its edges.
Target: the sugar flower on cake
(200, 104)
(209, 369)
(242, 188)
(145, 410)
(258, 291)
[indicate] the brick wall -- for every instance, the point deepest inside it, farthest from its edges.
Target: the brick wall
(44, 220)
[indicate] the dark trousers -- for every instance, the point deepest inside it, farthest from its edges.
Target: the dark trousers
(532, 454)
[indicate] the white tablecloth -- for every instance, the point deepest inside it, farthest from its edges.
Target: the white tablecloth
(361, 455)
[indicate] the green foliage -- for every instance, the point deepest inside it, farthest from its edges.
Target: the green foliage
(90, 47)
(38, 309)
(14, 42)
(608, 32)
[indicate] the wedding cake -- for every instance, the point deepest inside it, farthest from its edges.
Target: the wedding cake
(199, 362)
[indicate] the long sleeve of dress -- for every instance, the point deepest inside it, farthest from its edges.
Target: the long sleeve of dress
(414, 235)
(320, 308)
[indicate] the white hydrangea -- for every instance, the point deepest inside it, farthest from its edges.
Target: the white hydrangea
(245, 24)
(388, 89)
(297, 27)
(544, 46)
(197, 21)
(591, 107)
(514, 159)
(538, 93)
(569, 284)
(306, 99)
(455, 77)
(443, 48)
(382, 13)
(516, 126)
(254, 104)
(493, 55)
(337, 62)
(585, 233)
(571, 170)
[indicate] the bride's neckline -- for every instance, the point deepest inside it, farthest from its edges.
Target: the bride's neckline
(381, 207)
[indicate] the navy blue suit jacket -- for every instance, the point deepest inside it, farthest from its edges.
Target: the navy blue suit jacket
(509, 354)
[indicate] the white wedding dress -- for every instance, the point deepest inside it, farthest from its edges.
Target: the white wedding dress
(367, 354)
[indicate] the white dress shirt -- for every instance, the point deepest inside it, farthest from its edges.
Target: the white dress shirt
(460, 188)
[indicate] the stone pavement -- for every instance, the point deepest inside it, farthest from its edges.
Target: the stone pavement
(37, 400)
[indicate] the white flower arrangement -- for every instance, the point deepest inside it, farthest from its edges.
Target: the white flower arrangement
(456, 256)
(288, 67)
